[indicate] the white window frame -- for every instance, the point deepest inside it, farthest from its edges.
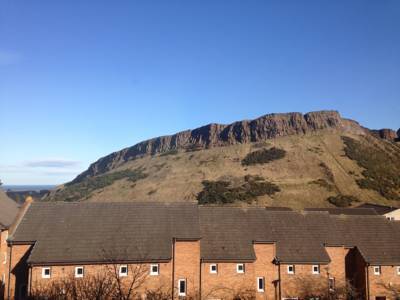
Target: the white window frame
(262, 290)
(315, 271)
(179, 287)
(240, 271)
(377, 270)
(76, 272)
(211, 269)
(288, 269)
(152, 273)
(44, 272)
(123, 274)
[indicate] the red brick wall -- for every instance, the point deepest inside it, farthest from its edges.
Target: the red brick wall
(3, 261)
(144, 281)
(187, 266)
(227, 282)
(384, 284)
(18, 284)
(303, 281)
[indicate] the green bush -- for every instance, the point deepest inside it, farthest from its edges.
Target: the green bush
(342, 200)
(221, 192)
(381, 169)
(83, 189)
(263, 156)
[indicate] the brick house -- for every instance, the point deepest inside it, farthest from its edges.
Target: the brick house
(205, 252)
(8, 212)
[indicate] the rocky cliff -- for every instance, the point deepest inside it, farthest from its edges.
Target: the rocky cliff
(386, 134)
(216, 135)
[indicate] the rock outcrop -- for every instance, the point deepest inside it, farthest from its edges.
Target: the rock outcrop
(216, 135)
(386, 134)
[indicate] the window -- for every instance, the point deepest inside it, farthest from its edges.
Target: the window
(331, 284)
(260, 284)
(154, 269)
(377, 270)
(213, 269)
(390, 218)
(315, 269)
(240, 268)
(46, 273)
(398, 270)
(123, 271)
(182, 287)
(78, 272)
(290, 269)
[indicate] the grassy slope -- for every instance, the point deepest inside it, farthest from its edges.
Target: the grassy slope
(179, 176)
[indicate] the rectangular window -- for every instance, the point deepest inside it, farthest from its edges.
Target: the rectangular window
(239, 268)
(182, 287)
(154, 269)
(260, 284)
(213, 269)
(78, 272)
(377, 270)
(290, 269)
(315, 269)
(123, 271)
(398, 270)
(331, 284)
(46, 272)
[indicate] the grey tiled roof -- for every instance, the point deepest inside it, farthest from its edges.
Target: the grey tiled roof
(380, 209)
(94, 232)
(345, 211)
(8, 210)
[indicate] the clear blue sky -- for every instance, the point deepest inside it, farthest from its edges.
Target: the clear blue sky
(80, 79)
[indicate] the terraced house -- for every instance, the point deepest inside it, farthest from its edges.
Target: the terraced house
(8, 212)
(182, 250)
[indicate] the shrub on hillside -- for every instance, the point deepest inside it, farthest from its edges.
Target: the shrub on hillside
(263, 156)
(83, 189)
(222, 192)
(381, 169)
(342, 200)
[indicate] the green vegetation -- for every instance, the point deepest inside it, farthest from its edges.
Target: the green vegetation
(381, 170)
(83, 189)
(221, 192)
(263, 156)
(342, 200)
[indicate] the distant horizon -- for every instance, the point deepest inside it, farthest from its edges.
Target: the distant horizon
(72, 92)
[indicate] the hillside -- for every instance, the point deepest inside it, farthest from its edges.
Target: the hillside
(295, 160)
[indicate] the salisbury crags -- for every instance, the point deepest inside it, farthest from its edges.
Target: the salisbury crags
(216, 135)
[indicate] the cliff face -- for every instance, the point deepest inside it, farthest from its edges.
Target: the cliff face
(216, 135)
(386, 134)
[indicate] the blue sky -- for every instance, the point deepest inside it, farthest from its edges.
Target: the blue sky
(80, 79)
